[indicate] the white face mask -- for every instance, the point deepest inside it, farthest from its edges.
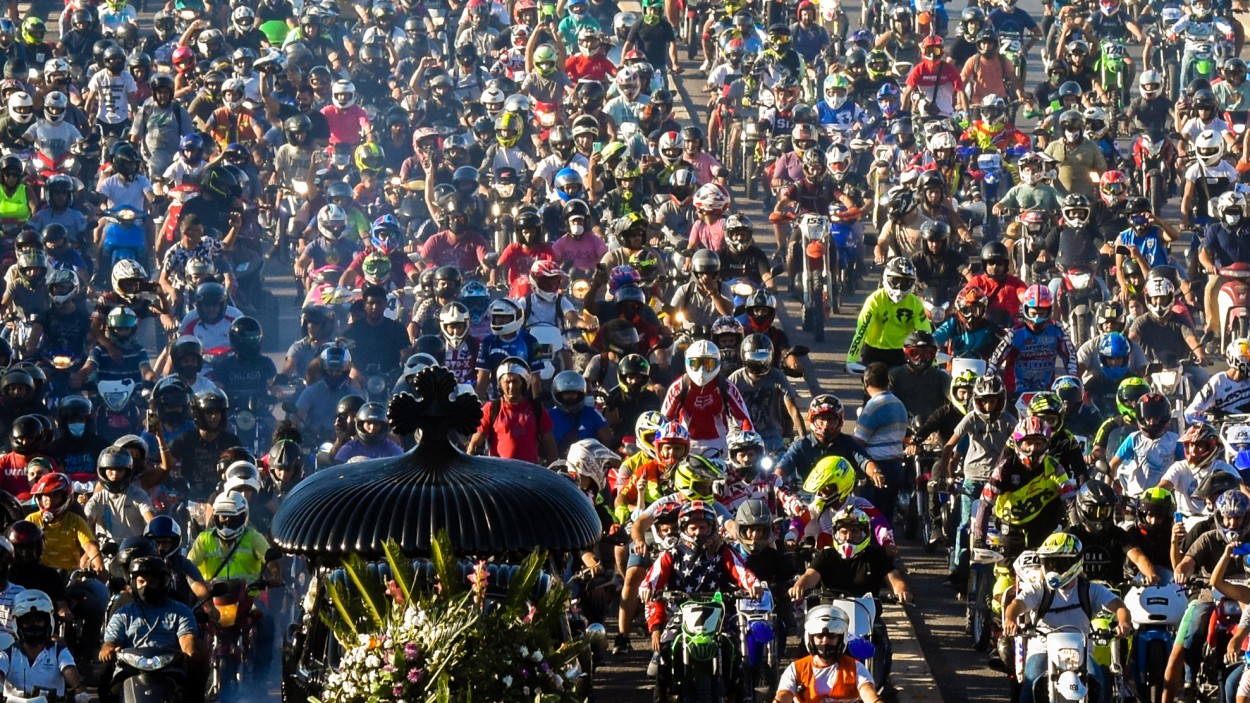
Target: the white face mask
(77, 428)
(1232, 218)
(577, 230)
(1072, 135)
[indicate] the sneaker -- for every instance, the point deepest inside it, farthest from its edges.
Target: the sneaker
(705, 66)
(653, 667)
(621, 644)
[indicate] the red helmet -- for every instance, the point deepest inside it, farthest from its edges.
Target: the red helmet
(931, 47)
(49, 485)
(1113, 187)
(183, 58)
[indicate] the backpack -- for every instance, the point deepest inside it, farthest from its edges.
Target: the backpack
(1082, 592)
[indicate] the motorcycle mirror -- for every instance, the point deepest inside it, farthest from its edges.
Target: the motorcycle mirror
(800, 350)
(109, 549)
(219, 589)
(491, 260)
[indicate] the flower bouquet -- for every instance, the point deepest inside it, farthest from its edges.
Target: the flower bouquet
(451, 641)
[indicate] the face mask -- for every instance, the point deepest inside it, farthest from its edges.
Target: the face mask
(577, 230)
(1072, 135)
(1232, 218)
(651, 18)
(77, 428)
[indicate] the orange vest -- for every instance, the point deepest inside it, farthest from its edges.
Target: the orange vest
(844, 688)
(232, 127)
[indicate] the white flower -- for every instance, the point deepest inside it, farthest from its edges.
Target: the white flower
(372, 661)
(507, 681)
(364, 639)
(525, 652)
(537, 656)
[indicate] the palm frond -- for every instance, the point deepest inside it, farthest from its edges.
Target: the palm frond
(401, 568)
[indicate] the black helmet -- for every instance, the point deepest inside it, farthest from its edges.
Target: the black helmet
(756, 353)
(1095, 505)
(705, 261)
(432, 345)
(25, 435)
(296, 124)
(1204, 99)
(133, 548)
(155, 573)
(245, 337)
(1153, 414)
(630, 366)
(119, 459)
(348, 406)
(935, 231)
(209, 401)
(993, 251)
(221, 181)
(371, 413)
(452, 279)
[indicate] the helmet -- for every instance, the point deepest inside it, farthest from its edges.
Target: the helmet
(899, 278)
(119, 459)
(27, 540)
(646, 428)
(230, 513)
(1127, 394)
(31, 602)
(1075, 210)
(587, 458)
(963, 381)
(831, 480)
(1159, 503)
(846, 523)
(221, 182)
(754, 513)
(694, 477)
(993, 109)
(711, 198)
(826, 620)
(1035, 305)
(343, 94)
(756, 353)
(1232, 504)
(1031, 428)
(1061, 560)
(671, 432)
(1095, 505)
(506, 317)
(971, 305)
(1210, 147)
(1160, 296)
(835, 90)
(1201, 443)
(1151, 84)
(372, 414)
(454, 321)
(1153, 414)
(246, 336)
(696, 509)
(702, 362)
(1238, 355)
(51, 485)
(1113, 187)
(827, 404)
(1095, 122)
(209, 401)
(568, 383)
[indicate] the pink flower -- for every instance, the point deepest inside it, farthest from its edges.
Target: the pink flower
(415, 675)
(398, 691)
(480, 578)
(392, 590)
(411, 651)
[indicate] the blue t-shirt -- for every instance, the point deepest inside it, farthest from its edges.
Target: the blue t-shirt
(585, 426)
(130, 366)
(1150, 243)
(495, 349)
(882, 426)
(1012, 21)
(356, 448)
(140, 625)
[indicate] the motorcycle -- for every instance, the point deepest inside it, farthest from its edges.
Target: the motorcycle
(123, 238)
(1156, 613)
(1079, 293)
(1168, 378)
(149, 675)
(820, 294)
(1068, 665)
(1153, 172)
(252, 421)
(701, 658)
(846, 241)
(1214, 667)
(1233, 302)
(861, 637)
(982, 563)
(760, 648)
(1112, 72)
(232, 634)
(506, 192)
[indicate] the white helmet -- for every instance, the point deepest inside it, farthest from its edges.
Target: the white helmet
(233, 86)
(1209, 147)
(1238, 355)
(493, 98)
(21, 107)
(1237, 437)
(1150, 83)
(942, 140)
(331, 221)
(587, 458)
(711, 197)
(838, 155)
(454, 313)
(1230, 207)
(1159, 287)
(702, 362)
(31, 601)
(63, 277)
(671, 147)
(1095, 123)
(54, 106)
(506, 317)
(230, 515)
(343, 94)
(628, 82)
(242, 474)
(825, 620)
(125, 270)
(898, 279)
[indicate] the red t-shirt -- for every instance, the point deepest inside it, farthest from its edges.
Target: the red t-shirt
(1004, 296)
(516, 430)
(595, 68)
(516, 259)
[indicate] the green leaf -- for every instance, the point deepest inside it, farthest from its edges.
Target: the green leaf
(446, 565)
(344, 627)
(369, 592)
(522, 583)
(401, 568)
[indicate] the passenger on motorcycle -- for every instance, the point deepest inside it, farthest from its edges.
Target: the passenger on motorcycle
(831, 483)
(372, 437)
(947, 417)
(1032, 192)
(936, 78)
(827, 670)
(939, 266)
(59, 209)
(856, 564)
(920, 384)
(68, 541)
(1227, 392)
(1225, 242)
(78, 445)
(315, 405)
(245, 373)
(1064, 598)
(770, 399)
(967, 334)
(515, 423)
(211, 318)
(1201, 445)
(889, 314)
(1151, 110)
(632, 396)
(123, 358)
(1146, 453)
(836, 110)
(1122, 358)
(1065, 447)
(1207, 178)
(122, 509)
(1027, 355)
(192, 457)
(1081, 416)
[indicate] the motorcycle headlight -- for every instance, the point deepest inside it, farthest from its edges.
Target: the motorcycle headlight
(547, 119)
(1069, 659)
(146, 662)
(1080, 281)
(227, 613)
(60, 362)
(505, 190)
(68, 162)
(301, 187)
(376, 385)
(245, 421)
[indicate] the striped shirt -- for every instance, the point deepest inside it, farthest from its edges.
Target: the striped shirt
(881, 427)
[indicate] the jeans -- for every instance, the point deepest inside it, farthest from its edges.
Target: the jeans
(968, 492)
(885, 499)
(1035, 669)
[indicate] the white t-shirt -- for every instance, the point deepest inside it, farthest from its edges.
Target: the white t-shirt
(824, 678)
(123, 193)
(1065, 610)
(1185, 483)
(22, 675)
(114, 95)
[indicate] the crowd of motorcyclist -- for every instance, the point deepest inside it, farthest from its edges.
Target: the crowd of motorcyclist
(511, 191)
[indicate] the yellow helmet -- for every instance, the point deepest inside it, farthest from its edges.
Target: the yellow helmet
(856, 518)
(1061, 560)
(832, 479)
(645, 428)
(508, 128)
(694, 476)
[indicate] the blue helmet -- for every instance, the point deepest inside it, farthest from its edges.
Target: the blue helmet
(889, 100)
(382, 232)
(1113, 353)
(569, 184)
(191, 142)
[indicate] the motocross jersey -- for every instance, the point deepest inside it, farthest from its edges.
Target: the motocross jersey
(884, 324)
(682, 568)
(988, 137)
(1221, 394)
(842, 118)
(1144, 460)
(817, 518)
(1027, 358)
(706, 410)
(1196, 33)
(1019, 494)
(779, 121)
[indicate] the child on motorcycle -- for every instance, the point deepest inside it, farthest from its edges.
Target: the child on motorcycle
(967, 334)
(827, 670)
(831, 483)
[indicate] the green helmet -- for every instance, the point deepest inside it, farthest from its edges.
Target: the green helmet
(1047, 404)
(1126, 396)
(545, 60)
